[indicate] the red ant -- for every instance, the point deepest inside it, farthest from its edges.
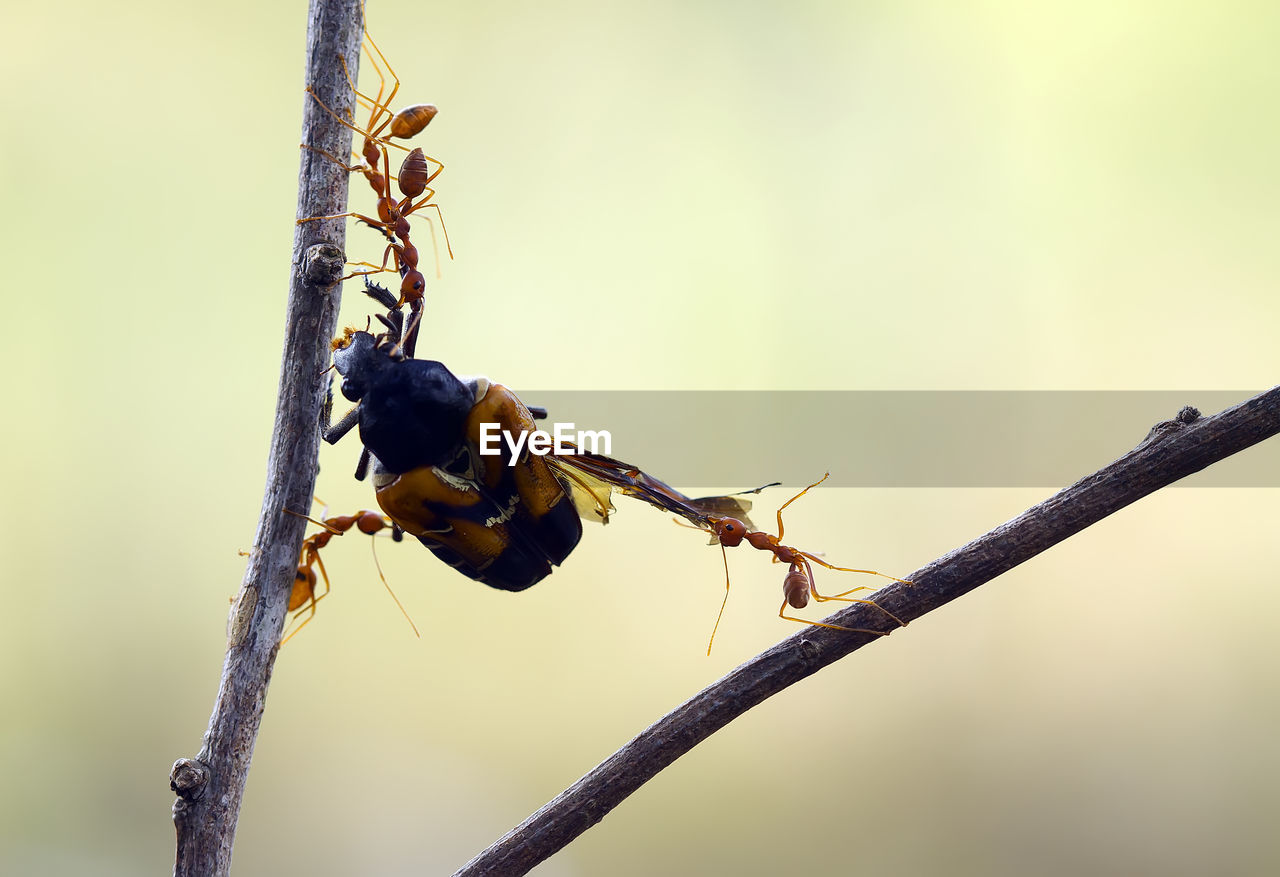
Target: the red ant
(303, 595)
(798, 586)
(413, 180)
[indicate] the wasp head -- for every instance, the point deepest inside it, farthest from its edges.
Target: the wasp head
(358, 360)
(413, 412)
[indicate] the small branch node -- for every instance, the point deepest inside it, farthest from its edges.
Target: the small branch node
(807, 650)
(1165, 428)
(240, 621)
(189, 778)
(323, 264)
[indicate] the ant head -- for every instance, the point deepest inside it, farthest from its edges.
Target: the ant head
(413, 286)
(368, 522)
(730, 531)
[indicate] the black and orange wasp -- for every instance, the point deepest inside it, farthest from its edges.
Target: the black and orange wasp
(503, 521)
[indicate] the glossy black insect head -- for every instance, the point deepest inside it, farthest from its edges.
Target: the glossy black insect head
(413, 412)
(360, 364)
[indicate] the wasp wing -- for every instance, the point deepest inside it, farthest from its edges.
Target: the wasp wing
(595, 476)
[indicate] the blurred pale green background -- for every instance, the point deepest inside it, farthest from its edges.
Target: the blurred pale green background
(805, 195)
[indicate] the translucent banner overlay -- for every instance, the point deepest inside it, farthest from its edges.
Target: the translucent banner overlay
(892, 438)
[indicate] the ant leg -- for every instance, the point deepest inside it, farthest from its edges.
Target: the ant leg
(869, 572)
(314, 554)
(390, 254)
(439, 167)
(434, 248)
(374, 548)
(349, 168)
(290, 635)
(377, 106)
(368, 135)
(336, 116)
(386, 105)
(376, 270)
(725, 602)
(324, 577)
(813, 589)
(820, 599)
(362, 98)
(782, 613)
(796, 497)
(424, 203)
(378, 223)
(407, 206)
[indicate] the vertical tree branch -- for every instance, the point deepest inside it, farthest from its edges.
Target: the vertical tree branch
(210, 787)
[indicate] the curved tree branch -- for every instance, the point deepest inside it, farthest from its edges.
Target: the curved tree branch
(1172, 450)
(210, 787)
